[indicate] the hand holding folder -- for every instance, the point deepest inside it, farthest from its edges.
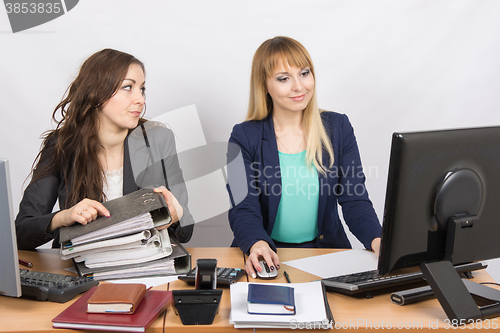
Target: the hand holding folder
(127, 244)
(124, 208)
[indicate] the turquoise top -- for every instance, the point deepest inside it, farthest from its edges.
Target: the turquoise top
(297, 218)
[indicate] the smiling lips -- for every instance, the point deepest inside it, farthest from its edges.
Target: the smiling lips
(136, 113)
(298, 98)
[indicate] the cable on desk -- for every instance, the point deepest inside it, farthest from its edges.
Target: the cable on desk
(165, 312)
(164, 319)
(244, 261)
(493, 283)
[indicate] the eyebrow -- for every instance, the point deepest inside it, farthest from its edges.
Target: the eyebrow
(281, 73)
(134, 81)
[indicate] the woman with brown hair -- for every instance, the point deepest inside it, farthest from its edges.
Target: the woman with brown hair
(87, 159)
(301, 162)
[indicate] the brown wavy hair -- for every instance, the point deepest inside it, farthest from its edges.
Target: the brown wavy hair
(72, 148)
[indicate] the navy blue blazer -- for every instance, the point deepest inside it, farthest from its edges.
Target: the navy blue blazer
(255, 194)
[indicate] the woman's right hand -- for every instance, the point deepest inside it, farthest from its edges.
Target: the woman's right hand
(261, 249)
(83, 212)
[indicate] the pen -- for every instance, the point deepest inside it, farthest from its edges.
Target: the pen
(287, 277)
(25, 263)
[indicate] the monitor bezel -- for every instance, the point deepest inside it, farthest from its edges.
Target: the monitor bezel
(474, 148)
(10, 284)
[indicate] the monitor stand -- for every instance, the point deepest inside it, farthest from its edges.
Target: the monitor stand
(458, 296)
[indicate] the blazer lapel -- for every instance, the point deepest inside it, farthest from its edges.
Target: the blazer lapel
(323, 196)
(270, 158)
(129, 184)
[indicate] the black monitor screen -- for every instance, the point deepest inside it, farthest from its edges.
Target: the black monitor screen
(436, 176)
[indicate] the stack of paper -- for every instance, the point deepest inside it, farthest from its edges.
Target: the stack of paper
(127, 244)
(155, 247)
(129, 226)
(311, 308)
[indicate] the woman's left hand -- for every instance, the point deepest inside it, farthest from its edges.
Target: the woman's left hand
(376, 246)
(175, 208)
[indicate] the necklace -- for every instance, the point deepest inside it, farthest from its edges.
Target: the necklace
(288, 150)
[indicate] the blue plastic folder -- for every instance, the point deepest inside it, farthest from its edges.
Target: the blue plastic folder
(270, 299)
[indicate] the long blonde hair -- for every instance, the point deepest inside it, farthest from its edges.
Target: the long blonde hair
(288, 51)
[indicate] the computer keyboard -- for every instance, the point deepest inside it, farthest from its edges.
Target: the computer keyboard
(53, 287)
(225, 276)
(370, 280)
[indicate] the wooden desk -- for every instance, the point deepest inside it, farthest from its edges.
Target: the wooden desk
(353, 313)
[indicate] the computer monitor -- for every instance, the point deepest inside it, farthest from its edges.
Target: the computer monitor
(442, 208)
(10, 284)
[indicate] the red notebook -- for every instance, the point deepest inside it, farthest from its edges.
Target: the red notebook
(76, 316)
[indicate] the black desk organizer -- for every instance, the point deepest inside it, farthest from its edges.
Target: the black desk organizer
(199, 306)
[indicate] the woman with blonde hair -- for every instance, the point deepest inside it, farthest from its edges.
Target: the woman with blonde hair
(300, 163)
(92, 155)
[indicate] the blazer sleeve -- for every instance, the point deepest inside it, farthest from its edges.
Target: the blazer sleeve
(245, 216)
(357, 208)
(164, 140)
(179, 190)
(35, 209)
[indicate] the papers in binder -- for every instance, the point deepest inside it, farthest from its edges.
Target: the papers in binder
(129, 226)
(156, 247)
(121, 251)
(158, 267)
(178, 262)
(128, 210)
(124, 242)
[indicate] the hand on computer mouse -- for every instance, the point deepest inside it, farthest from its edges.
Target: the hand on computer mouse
(266, 272)
(261, 250)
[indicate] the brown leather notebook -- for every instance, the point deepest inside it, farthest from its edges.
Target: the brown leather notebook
(116, 298)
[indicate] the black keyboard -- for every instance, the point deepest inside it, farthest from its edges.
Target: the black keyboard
(225, 276)
(371, 280)
(53, 287)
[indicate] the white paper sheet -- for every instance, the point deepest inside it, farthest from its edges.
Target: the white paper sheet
(152, 281)
(148, 281)
(338, 263)
(309, 304)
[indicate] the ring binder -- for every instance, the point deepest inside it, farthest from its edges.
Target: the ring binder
(121, 209)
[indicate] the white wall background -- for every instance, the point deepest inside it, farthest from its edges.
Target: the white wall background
(390, 65)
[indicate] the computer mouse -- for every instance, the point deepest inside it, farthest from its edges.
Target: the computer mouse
(266, 272)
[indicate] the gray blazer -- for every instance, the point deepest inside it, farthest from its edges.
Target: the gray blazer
(35, 209)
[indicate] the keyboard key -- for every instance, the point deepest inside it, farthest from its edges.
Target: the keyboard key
(225, 276)
(53, 287)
